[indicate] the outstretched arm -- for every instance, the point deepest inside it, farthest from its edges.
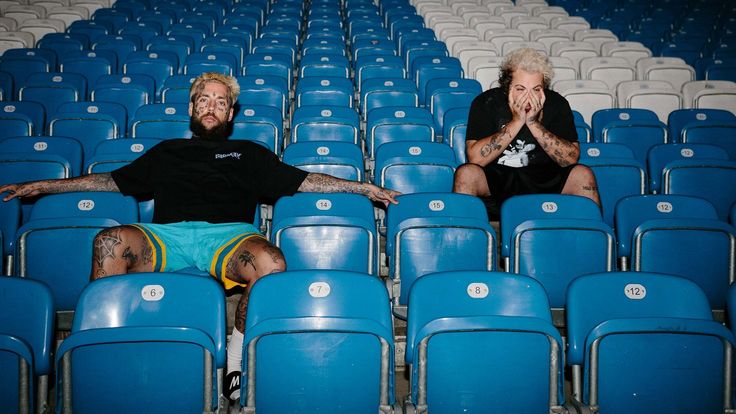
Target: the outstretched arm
(323, 183)
(92, 182)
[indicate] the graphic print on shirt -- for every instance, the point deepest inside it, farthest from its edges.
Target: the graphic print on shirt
(516, 155)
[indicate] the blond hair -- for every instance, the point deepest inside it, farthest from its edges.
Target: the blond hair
(233, 89)
(528, 60)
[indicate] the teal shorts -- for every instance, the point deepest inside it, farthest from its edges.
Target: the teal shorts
(206, 246)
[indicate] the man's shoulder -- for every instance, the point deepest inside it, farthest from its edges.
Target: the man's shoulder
(553, 96)
(489, 96)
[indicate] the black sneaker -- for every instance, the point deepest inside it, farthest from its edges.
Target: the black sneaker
(232, 387)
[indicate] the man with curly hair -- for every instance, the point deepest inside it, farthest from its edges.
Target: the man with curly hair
(521, 138)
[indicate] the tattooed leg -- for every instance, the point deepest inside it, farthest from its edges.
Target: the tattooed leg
(253, 259)
(581, 181)
(120, 250)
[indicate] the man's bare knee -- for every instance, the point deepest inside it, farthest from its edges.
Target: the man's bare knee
(470, 179)
(255, 258)
(582, 182)
(120, 250)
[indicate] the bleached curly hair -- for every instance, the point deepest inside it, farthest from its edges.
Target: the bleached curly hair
(528, 60)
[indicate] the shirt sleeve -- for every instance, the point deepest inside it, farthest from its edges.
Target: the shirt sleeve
(276, 179)
(561, 122)
(481, 123)
(134, 179)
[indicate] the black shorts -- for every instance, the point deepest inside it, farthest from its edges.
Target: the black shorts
(505, 182)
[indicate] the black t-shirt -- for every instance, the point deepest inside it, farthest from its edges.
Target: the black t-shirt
(490, 111)
(213, 181)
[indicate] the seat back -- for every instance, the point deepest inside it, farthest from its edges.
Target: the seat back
(260, 123)
(389, 124)
(66, 148)
(326, 231)
(647, 334)
(505, 317)
(154, 329)
(678, 119)
(26, 326)
(414, 166)
(303, 328)
(423, 224)
(714, 180)
(616, 178)
(325, 123)
(339, 159)
(661, 155)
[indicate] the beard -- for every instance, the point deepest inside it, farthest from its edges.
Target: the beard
(218, 133)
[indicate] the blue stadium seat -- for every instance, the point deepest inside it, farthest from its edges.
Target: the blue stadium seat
(616, 178)
(330, 43)
(229, 45)
(426, 68)
(181, 46)
(678, 235)
(303, 329)
(415, 166)
(720, 133)
(159, 65)
(325, 123)
(121, 45)
(68, 148)
(276, 45)
(24, 118)
(372, 47)
(71, 220)
(162, 121)
(112, 154)
(89, 123)
(93, 30)
(27, 326)
(679, 118)
(63, 43)
(714, 180)
(52, 89)
(264, 90)
(339, 159)
(324, 92)
(324, 65)
(498, 328)
(634, 335)
(32, 166)
(196, 31)
(176, 89)
(533, 227)
(131, 91)
(260, 123)
(393, 124)
(22, 63)
(661, 155)
(258, 65)
(89, 64)
(326, 231)
(454, 126)
(444, 94)
(201, 62)
(639, 129)
(155, 330)
(378, 67)
(423, 224)
(377, 93)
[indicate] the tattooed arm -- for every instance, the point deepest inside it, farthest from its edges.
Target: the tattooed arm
(92, 182)
(323, 183)
(486, 150)
(563, 152)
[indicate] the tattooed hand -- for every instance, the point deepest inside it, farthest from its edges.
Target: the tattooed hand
(20, 190)
(382, 195)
